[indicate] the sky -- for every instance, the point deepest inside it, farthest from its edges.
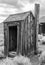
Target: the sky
(8, 7)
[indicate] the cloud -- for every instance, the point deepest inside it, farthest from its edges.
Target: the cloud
(32, 1)
(2, 18)
(5, 11)
(28, 7)
(15, 6)
(16, 3)
(12, 7)
(20, 3)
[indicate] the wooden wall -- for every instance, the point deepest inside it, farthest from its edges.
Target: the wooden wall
(28, 35)
(1, 37)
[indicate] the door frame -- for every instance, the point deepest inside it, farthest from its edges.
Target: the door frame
(6, 36)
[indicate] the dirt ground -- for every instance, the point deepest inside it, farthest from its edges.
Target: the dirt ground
(34, 60)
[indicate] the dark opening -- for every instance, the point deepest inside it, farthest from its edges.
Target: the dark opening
(13, 38)
(42, 28)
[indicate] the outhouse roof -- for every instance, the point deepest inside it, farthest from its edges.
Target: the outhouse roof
(17, 17)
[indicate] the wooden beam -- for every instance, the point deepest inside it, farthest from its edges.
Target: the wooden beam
(37, 8)
(18, 39)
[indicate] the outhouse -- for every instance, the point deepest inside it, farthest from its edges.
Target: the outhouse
(19, 33)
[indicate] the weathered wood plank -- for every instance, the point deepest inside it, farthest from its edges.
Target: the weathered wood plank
(1, 34)
(26, 36)
(23, 38)
(32, 32)
(20, 37)
(29, 33)
(5, 40)
(37, 6)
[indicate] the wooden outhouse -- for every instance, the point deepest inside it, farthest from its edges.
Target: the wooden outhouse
(19, 33)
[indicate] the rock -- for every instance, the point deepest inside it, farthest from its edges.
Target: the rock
(42, 58)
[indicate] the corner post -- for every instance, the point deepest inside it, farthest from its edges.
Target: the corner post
(37, 8)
